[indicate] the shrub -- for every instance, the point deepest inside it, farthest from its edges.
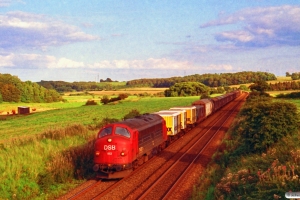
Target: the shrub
(133, 113)
(104, 99)
(266, 123)
(123, 96)
(91, 103)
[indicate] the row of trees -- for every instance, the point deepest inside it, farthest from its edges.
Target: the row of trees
(12, 89)
(280, 86)
(294, 76)
(62, 86)
(211, 80)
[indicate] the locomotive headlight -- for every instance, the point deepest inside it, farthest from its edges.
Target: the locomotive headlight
(97, 153)
(109, 140)
(123, 153)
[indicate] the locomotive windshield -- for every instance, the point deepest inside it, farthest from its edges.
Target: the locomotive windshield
(122, 131)
(106, 131)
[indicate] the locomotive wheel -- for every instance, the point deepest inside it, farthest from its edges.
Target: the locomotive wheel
(140, 161)
(145, 158)
(135, 165)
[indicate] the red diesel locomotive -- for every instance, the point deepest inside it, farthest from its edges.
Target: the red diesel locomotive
(123, 146)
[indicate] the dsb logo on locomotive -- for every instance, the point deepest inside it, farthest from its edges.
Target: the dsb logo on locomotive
(109, 147)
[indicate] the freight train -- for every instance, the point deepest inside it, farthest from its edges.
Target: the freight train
(122, 146)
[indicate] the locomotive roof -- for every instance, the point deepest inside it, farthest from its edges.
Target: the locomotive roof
(142, 121)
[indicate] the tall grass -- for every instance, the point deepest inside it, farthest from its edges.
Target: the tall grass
(32, 166)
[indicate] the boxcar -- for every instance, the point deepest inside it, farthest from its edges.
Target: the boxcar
(207, 106)
(173, 120)
(190, 114)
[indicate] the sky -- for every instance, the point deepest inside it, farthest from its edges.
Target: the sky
(123, 40)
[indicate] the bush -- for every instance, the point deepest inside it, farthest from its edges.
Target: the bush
(104, 99)
(133, 113)
(90, 103)
(266, 123)
(123, 96)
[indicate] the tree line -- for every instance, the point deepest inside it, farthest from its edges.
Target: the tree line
(294, 75)
(211, 80)
(12, 89)
(62, 86)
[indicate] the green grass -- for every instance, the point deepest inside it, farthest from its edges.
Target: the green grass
(65, 114)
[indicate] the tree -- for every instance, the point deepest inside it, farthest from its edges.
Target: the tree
(187, 89)
(260, 86)
(10, 93)
(264, 123)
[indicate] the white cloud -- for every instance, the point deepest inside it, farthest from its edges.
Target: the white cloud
(6, 60)
(65, 63)
(21, 29)
(35, 61)
(150, 63)
(262, 26)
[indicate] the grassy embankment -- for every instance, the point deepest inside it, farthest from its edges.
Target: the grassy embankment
(43, 154)
(266, 175)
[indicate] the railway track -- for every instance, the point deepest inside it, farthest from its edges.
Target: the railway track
(176, 168)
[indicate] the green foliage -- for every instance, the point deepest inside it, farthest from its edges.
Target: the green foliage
(290, 95)
(244, 87)
(133, 113)
(10, 93)
(211, 80)
(295, 76)
(260, 86)
(105, 99)
(1, 99)
(62, 86)
(13, 89)
(187, 89)
(265, 173)
(34, 165)
(266, 123)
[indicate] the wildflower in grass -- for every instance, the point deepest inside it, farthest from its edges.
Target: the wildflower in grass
(276, 196)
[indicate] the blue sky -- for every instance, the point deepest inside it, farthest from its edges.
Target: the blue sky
(131, 39)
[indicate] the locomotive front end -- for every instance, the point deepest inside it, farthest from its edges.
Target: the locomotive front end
(113, 152)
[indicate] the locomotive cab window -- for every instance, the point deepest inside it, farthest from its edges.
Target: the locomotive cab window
(106, 131)
(122, 131)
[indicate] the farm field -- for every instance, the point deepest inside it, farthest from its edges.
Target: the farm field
(58, 115)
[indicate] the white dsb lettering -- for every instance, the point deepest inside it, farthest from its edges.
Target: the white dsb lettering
(109, 147)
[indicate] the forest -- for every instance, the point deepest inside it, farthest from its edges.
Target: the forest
(12, 89)
(210, 80)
